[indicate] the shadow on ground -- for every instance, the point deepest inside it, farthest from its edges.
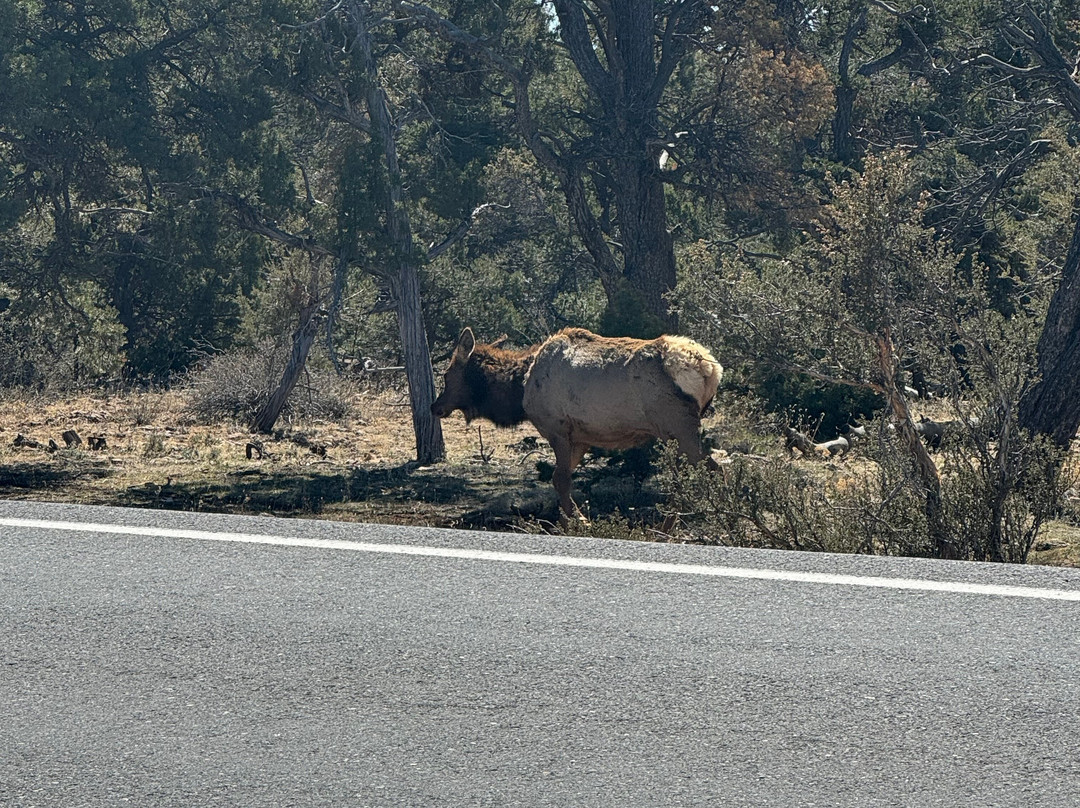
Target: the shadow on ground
(491, 496)
(25, 477)
(398, 491)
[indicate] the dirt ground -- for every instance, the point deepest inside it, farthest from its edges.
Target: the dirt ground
(155, 454)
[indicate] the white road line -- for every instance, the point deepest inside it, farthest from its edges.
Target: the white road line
(914, 584)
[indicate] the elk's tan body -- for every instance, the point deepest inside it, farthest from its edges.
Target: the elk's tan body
(581, 390)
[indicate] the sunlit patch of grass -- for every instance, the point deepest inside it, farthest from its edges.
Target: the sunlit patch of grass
(1058, 545)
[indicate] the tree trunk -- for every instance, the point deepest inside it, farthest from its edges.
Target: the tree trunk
(648, 248)
(430, 447)
(843, 145)
(404, 279)
(925, 468)
(633, 121)
(1052, 406)
(642, 43)
(303, 339)
(124, 299)
(337, 289)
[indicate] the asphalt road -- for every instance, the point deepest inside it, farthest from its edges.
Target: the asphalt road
(165, 667)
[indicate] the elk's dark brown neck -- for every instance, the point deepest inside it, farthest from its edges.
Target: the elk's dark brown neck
(497, 381)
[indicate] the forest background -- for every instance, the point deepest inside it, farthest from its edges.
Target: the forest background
(853, 204)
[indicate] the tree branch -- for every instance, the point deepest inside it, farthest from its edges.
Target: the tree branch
(339, 112)
(985, 59)
(579, 44)
(567, 172)
(250, 219)
(317, 21)
(1052, 64)
(459, 232)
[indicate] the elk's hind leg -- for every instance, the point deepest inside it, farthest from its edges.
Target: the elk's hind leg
(567, 457)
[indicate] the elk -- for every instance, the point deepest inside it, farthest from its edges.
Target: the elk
(581, 391)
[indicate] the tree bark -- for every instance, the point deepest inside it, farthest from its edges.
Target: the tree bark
(430, 447)
(1052, 406)
(337, 290)
(648, 248)
(124, 299)
(303, 339)
(404, 278)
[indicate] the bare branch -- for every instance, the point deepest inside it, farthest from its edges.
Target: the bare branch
(250, 219)
(92, 211)
(459, 232)
(316, 22)
(987, 60)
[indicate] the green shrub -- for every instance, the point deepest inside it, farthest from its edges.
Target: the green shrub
(60, 344)
(832, 407)
(993, 504)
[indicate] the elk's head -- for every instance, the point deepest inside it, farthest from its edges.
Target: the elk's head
(458, 389)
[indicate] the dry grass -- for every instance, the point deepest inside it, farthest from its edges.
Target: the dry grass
(360, 468)
(157, 455)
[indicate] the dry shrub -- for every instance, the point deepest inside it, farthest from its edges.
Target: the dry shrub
(872, 504)
(233, 386)
(997, 497)
(779, 504)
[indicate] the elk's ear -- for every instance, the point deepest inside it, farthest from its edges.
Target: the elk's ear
(465, 344)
